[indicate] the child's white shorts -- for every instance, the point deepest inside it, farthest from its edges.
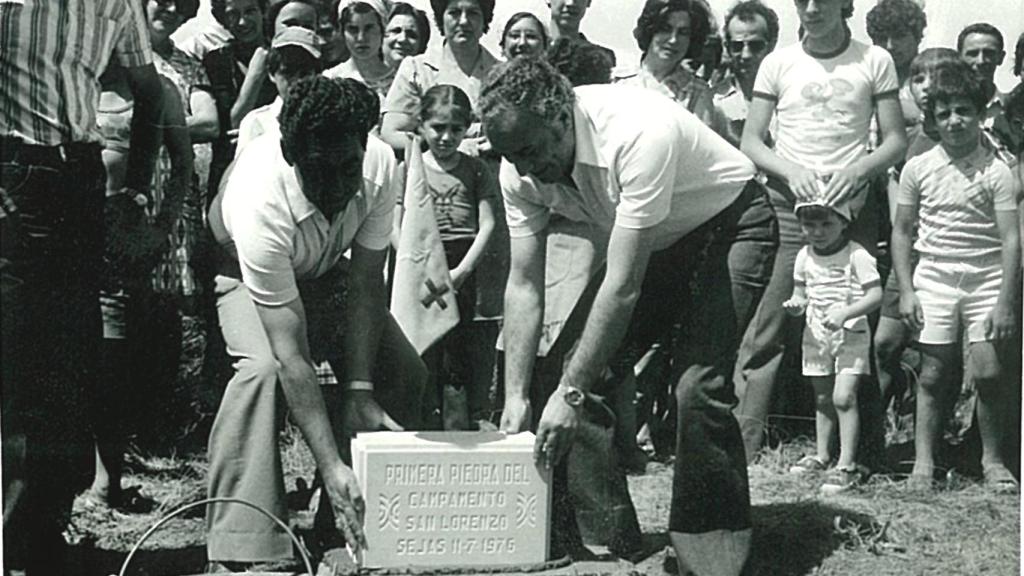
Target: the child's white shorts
(956, 294)
(853, 356)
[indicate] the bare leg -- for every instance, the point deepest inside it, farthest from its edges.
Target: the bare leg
(824, 415)
(932, 395)
(890, 341)
(992, 406)
(844, 401)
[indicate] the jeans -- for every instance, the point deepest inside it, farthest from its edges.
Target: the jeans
(244, 458)
(52, 234)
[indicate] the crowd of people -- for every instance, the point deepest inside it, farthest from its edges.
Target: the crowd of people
(760, 213)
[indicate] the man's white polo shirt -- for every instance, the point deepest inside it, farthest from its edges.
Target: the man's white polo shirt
(641, 161)
(280, 236)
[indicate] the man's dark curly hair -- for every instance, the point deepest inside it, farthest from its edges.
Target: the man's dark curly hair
(957, 80)
(439, 6)
(526, 84)
(422, 22)
(271, 14)
(654, 17)
(581, 62)
(894, 18)
(318, 109)
(979, 28)
(748, 11)
(219, 10)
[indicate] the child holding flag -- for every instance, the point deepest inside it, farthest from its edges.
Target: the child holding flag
(462, 191)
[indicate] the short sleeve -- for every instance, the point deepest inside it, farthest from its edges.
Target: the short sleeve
(263, 237)
(646, 173)
(910, 185)
(248, 130)
(1005, 187)
(487, 184)
(379, 172)
(864, 268)
(406, 89)
(800, 267)
(133, 48)
(525, 215)
(766, 84)
(885, 84)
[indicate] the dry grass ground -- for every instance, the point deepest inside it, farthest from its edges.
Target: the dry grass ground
(878, 529)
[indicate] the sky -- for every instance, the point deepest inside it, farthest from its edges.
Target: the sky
(611, 22)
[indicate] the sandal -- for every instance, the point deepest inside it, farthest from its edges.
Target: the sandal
(808, 464)
(1000, 480)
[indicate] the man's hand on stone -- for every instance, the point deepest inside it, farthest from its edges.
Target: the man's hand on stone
(516, 415)
(348, 504)
(361, 413)
(556, 431)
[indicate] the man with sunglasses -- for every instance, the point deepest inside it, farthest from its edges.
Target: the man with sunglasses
(751, 30)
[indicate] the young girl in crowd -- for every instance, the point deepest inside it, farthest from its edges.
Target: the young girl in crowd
(362, 23)
(463, 190)
(961, 199)
(836, 285)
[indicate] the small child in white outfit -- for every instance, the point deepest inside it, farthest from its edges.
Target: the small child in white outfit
(836, 284)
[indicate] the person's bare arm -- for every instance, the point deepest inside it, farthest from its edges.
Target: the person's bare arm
(524, 315)
(902, 265)
(286, 329)
(397, 130)
(365, 316)
(606, 325)
(485, 223)
(1002, 321)
(802, 181)
(249, 93)
(870, 302)
(147, 93)
(179, 148)
(203, 124)
(892, 149)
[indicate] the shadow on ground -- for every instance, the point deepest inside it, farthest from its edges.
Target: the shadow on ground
(169, 562)
(791, 539)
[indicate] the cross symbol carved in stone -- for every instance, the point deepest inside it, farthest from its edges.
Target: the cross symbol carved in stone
(436, 295)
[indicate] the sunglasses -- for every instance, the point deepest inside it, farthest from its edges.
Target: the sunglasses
(756, 46)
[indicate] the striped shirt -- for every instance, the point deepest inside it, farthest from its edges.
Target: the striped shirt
(956, 201)
(52, 53)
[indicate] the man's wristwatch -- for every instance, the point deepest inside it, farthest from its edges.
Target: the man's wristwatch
(572, 395)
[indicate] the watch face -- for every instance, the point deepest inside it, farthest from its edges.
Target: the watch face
(573, 397)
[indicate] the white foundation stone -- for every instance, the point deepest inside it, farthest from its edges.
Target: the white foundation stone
(452, 499)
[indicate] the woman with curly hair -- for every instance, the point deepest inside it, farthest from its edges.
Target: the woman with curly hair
(460, 61)
(362, 24)
(288, 296)
(669, 32)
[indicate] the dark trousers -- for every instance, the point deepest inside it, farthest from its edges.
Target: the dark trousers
(52, 233)
(708, 284)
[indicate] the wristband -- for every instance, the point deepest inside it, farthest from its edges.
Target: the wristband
(357, 385)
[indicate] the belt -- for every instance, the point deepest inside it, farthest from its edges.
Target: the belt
(17, 151)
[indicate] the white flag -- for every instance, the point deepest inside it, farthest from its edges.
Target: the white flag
(423, 297)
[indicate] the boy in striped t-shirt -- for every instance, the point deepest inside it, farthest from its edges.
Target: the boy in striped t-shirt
(961, 198)
(835, 284)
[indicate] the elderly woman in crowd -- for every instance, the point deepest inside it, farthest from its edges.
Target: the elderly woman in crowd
(524, 35)
(460, 61)
(362, 24)
(407, 33)
(669, 32)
